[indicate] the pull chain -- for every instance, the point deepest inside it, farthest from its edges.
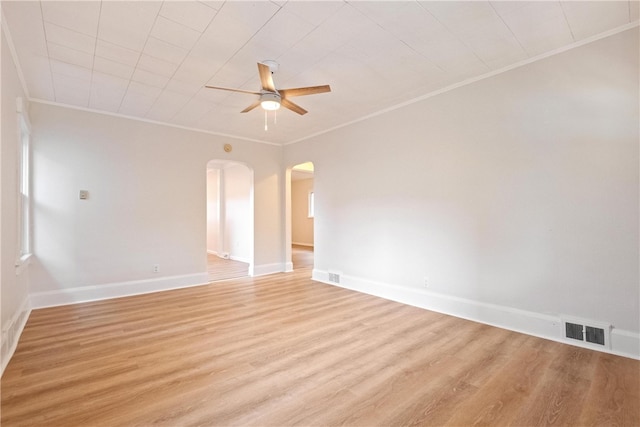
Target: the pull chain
(275, 119)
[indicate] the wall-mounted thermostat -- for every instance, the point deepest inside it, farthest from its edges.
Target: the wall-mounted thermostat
(84, 194)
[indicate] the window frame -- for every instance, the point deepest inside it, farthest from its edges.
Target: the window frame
(23, 176)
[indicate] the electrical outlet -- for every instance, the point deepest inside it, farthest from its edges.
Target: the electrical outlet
(425, 282)
(156, 268)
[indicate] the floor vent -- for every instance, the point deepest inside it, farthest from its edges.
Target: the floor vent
(590, 333)
(334, 277)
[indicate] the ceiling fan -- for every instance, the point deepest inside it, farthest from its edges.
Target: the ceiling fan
(271, 98)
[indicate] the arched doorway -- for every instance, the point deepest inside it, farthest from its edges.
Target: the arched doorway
(229, 220)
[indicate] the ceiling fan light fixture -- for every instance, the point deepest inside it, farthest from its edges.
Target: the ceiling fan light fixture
(270, 101)
(270, 98)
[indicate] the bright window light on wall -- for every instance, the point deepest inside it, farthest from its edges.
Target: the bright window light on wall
(24, 175)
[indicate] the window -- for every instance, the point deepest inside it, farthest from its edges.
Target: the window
(24, 181)
(311, 205)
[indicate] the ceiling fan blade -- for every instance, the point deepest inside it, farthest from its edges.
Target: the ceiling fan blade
(251, 107)
(293, 107)
(300, 91)
(266, 78)
(233, 90)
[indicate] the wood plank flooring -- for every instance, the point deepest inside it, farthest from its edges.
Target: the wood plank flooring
(283, 350)
(223, 269)
(301, 257)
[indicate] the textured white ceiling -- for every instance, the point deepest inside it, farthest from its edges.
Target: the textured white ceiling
(152, 59)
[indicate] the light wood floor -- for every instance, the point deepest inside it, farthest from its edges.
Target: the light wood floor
(302, 257)
(283, 350)
(223, 269)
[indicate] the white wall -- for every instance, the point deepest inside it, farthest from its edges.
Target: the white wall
(519, 191)
(147, 204)
(212, 210)
(235, 225)
(237, 180)
(301, 224)
(14, 285)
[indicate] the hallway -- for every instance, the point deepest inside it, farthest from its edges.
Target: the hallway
(224, 269)
(302, 257)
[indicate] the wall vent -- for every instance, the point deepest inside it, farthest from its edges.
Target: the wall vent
(590, 333)
(334, 277)
(573, 331)
(594, 335)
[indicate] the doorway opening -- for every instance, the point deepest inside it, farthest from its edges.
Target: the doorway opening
(300, 217)
(229, 220)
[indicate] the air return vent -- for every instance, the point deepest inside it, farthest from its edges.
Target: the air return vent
(334, 277)
(594, 335)
(590, 333)
(573, 331)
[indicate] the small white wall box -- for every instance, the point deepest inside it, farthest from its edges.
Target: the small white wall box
(84, 194)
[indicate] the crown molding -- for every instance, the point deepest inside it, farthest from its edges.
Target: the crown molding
(477, 78)
(14, 55)
(451, 87)
(155, 122)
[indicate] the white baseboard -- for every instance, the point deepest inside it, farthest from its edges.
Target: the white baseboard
(623, 343)
(115, 290)
(11, 333)
(231, 257)
(264, 269)
(223, 255)
(288, 267)
(310, 245)
(239, 258)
